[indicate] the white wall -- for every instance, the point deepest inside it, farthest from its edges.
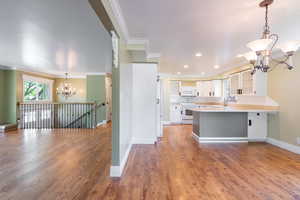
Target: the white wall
(144, 103)
(126, 77)
(138, 115)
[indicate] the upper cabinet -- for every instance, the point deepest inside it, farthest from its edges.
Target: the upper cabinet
(242, 84)
(209, 88)
(247, 83)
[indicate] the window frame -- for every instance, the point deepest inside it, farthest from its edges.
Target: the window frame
(49, 82)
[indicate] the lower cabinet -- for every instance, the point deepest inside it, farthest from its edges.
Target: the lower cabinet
(257, 126)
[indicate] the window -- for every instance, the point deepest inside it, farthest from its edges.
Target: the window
(37, 89)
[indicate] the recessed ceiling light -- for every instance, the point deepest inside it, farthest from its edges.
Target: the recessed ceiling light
(216, 66)
(198, 54)
(185, 66)
(178, 73)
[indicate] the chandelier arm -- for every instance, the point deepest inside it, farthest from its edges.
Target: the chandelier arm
(281, 61)
(276, 38)
(272, 68)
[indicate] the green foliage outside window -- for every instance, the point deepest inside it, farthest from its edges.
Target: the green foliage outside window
(34, 91)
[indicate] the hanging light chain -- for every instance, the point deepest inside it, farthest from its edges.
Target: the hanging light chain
(267, 27)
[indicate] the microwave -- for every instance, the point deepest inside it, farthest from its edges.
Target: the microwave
(188, 91)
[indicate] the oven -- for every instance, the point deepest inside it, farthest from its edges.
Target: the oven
(187, 113)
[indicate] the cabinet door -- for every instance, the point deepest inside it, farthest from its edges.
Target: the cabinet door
(217, 88)
(174, 87)
(199, 88)
(247, 83)
(234, 84)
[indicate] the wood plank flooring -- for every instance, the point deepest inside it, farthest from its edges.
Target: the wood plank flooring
(75, 165)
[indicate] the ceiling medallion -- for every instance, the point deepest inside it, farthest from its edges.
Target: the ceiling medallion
(66, 90)
(262, 49)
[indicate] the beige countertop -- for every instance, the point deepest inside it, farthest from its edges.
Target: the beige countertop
(237, 108)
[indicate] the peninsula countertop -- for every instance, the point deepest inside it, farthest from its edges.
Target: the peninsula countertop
(238, 108)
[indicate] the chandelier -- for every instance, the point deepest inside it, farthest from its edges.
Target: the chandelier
(66, 90)
(262, 49)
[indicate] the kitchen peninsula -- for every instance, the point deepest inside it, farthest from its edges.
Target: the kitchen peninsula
(232, 123)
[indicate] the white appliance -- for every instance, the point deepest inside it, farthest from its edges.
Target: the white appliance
(188, 91)
(175, 113)
(187, 113)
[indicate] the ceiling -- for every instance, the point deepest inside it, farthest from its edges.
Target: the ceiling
(179, 29)
(54, 36)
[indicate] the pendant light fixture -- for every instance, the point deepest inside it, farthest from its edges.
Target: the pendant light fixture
(66, 90)
(262, 49)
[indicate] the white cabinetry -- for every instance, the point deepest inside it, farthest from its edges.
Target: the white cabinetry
(217, 88)
(257, 126)
(144, 103)
(209, 88)
(244, 83)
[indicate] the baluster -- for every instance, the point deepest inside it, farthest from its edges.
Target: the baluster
(70, 113)
(21, 117)
(42, 116)
(81, 115)
(34, 113)
(25, 119)
(91, 115)
(48, 115)
(40, 113)
(63, 115)
(75, 115)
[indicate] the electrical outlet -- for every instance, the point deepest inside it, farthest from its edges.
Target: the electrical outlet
(298, 140)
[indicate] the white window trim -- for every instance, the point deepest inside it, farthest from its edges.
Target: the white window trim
(39, 80)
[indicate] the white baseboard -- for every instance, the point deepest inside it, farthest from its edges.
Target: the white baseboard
(195, 136)
(117, 171)
(223, 140)
(166, 122)
(143, 141)
(284, 145)
(102, 123)
(219, 139)
(278, 143)
(257, 139)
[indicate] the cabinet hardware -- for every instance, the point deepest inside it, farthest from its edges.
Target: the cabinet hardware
(250, 122)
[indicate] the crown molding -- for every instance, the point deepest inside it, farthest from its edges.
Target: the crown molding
(132, 44)
(118, 14)
(153, 55)
(54, 73)
(7, 68)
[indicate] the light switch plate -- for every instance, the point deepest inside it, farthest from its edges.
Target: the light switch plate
(298, 140)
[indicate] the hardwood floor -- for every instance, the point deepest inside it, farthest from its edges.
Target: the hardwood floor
(75, 165)
(60, 164)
